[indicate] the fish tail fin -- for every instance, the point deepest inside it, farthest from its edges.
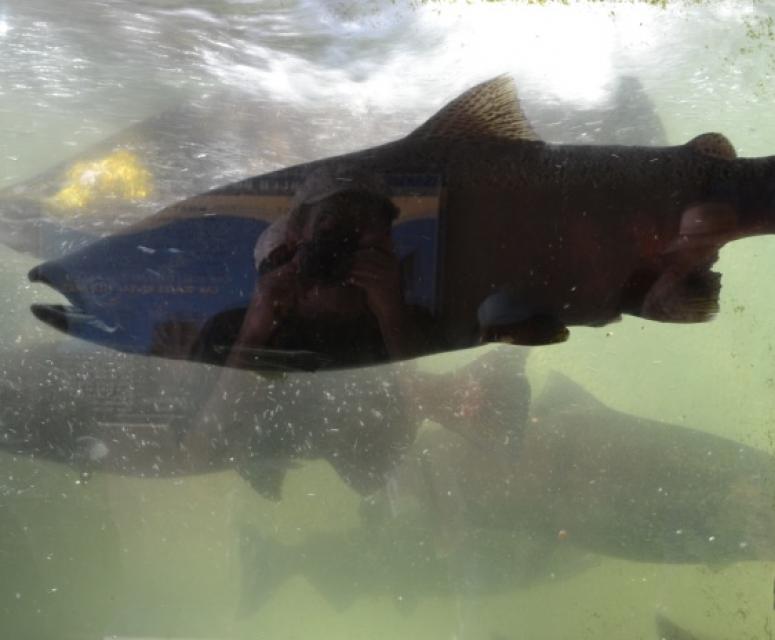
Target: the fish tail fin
(266, 475)
(265, 565)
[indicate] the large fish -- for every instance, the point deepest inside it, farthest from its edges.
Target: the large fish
(400, 560)
(584, 474)
(643, 489)
(99, 411)
(501, 235)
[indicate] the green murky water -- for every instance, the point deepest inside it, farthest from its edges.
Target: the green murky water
(205, 556)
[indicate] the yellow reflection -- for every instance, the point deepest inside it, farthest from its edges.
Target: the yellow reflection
(119, 176)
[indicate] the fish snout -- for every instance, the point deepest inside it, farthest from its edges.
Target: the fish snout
(54, 315)
(92, 300)
(47, 273)
(81, 290)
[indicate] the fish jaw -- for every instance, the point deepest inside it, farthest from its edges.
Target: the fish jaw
(124, 290)
(88, 315)
(72, 321)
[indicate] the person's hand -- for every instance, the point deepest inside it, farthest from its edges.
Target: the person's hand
(276, 293)
(378, 273)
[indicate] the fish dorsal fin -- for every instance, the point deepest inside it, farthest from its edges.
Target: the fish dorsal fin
(560, 393)
(488, 110)
(716, 145)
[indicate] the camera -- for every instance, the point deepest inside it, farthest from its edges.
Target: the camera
(328, 257)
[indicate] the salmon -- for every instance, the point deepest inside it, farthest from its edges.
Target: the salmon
(123, 414)
(605, 481)
(532, 238)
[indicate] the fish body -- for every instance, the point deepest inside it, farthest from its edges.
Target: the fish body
(643, 489)
(575, 235)
(603, 480)
(581, 234)
(97, 410)
(101, 411)
(399, 560)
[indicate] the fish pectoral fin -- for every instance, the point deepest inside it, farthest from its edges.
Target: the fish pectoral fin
(266, 476)
(364, 476)
(488, 110)
(537, 330)
(683, 297)
(364, 457)
(716, 145)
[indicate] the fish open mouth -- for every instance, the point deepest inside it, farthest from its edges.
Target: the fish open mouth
(58, 316)
(69, 319)
(54, 315)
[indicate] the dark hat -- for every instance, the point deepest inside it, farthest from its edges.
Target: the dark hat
(328, 181)
(320, 184)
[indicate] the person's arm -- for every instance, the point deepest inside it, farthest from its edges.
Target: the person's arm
(274, 296)
(378, 273)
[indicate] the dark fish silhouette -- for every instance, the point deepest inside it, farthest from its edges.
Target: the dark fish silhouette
(101, 411)
(666, 630)
(644, 489)
(400, 559)
(530, 237)
(584, 474)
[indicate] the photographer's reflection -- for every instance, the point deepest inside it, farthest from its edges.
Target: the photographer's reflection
(329, 281)
(330, 286)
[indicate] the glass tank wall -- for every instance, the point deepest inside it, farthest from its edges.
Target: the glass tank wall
(597, 479)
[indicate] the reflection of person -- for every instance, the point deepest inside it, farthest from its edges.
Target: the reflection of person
(329, 280)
